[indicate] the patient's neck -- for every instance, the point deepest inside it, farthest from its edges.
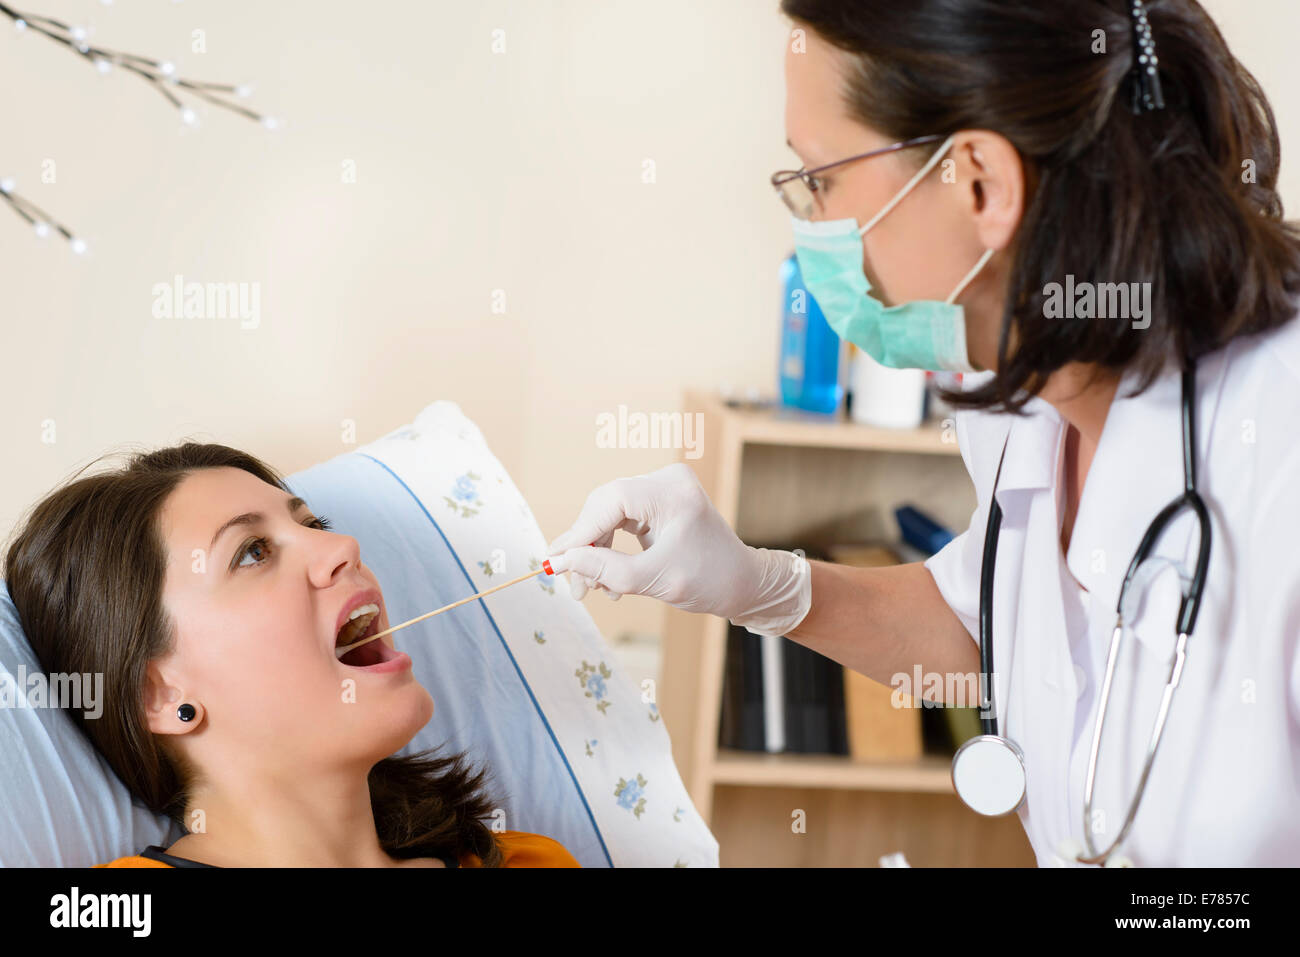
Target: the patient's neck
(318, 819)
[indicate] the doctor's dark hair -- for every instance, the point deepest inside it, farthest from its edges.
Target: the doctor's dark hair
(1163, 197)
(86, 575)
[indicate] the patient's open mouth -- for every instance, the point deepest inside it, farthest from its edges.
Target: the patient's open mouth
(363, 622)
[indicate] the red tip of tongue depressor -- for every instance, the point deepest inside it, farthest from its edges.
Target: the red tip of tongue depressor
(546, 564)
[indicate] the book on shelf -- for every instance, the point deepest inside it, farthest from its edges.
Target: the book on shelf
(782, 697)
(878, 728)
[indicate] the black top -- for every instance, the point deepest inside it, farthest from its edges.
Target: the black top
(156, 853)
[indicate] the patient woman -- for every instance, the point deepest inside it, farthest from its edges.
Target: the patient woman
(211, 600)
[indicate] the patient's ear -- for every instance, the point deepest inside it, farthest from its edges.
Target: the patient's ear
(162, 698)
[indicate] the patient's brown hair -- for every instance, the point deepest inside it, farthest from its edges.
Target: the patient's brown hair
(86, 576)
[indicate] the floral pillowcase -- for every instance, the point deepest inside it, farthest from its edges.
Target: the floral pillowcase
(522, 680)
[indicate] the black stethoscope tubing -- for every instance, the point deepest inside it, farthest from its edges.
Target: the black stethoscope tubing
(1190, 499)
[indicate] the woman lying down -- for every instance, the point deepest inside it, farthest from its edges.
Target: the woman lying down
(212, 600)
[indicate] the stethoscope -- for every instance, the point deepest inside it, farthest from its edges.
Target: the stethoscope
(988, 771)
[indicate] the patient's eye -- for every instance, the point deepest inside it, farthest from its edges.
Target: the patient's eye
(260, 545)
(256, 545)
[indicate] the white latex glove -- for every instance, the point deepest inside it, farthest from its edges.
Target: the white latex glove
(690, 557)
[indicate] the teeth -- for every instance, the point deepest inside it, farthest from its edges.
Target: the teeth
(359, 620)
(363, 610)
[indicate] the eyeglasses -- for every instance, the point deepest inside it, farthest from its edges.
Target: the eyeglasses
(799, 188)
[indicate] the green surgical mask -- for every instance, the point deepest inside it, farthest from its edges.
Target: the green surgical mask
(926, 334)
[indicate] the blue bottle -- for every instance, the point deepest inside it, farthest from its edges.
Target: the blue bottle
(810, 365)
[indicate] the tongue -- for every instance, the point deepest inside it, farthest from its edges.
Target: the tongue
(371, 653)
(354, 630)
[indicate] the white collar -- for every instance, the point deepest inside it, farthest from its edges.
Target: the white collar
(1124, 490)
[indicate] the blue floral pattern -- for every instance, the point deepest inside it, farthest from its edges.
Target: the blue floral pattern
(445, 456)
(631, 795)
(592, 679)
(464, 496)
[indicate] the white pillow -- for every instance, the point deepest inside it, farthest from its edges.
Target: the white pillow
(522, 680)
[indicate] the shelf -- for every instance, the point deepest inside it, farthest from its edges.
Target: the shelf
(931, 774)
(778, 425)
(783, 475)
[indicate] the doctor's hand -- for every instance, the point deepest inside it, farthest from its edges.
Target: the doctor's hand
(690, 557)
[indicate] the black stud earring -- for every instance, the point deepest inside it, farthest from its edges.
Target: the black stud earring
(185, 712)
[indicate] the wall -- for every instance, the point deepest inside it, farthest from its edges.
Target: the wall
(523, 171)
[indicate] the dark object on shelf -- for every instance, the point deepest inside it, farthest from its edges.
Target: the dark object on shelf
(813, 686)
(921, 531)
(741, 724)
(814, 702)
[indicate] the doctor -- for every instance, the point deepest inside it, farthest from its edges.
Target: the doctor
(978, 178)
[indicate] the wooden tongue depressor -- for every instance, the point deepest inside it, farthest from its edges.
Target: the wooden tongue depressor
(546, 568)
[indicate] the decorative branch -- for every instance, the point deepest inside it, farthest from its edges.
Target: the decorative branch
(37, 217)
(160, 74)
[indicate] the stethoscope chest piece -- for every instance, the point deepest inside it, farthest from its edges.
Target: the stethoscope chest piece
(988, 774)
(988, 771)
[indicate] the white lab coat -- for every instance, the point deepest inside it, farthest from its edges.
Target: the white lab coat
(1225, 786)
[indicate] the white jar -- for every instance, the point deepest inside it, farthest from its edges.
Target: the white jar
(884, 397)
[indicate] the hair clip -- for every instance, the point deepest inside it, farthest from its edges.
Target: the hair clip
(1147, 94)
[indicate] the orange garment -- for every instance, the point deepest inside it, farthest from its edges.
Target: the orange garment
(520, 849)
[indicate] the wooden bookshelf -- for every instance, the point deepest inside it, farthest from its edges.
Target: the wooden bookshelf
(782, 476)
(930, 774)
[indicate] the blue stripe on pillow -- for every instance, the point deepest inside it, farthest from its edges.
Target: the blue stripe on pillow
(558, 750)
